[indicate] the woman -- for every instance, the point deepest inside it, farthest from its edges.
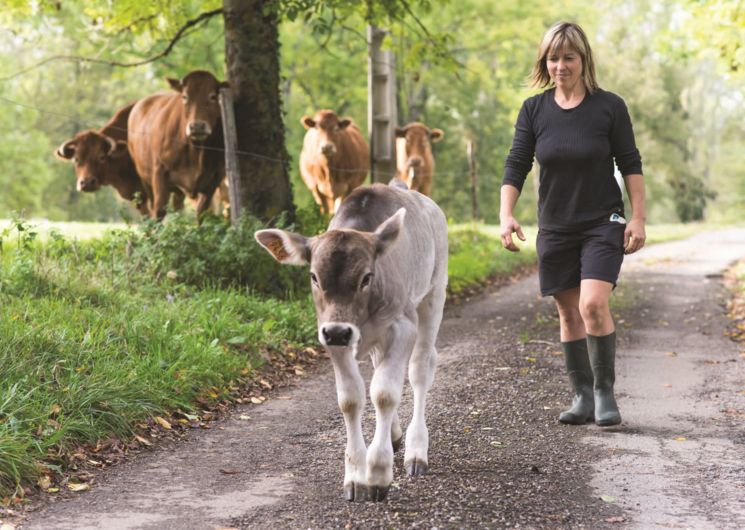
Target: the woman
(576, 130)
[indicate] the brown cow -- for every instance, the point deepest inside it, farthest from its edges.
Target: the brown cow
(414, 160)
(101, 158)
(176, 141)
(335, 158)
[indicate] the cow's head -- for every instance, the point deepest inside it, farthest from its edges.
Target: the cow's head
(342, 273)
(329, 126)
(413, 145)
(200, 96)
(92, 154)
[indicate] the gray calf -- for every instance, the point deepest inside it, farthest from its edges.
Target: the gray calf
(378, 277)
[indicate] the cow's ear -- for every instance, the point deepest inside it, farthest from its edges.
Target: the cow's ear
(387, 233)
(436, 135)
(400, 132)
(66, 151)
(308, 122)
(120, 148)
(175, 84)
(286, 247)
(110, 145)
(346, 122)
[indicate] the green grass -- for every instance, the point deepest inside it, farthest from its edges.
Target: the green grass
(476, 255)
(100, 333)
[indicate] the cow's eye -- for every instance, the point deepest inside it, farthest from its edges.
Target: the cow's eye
(314, 278)
(366, 279)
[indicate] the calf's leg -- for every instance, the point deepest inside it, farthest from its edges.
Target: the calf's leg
(421, 376)
(385, 393)
(350, 392)
(397, 434)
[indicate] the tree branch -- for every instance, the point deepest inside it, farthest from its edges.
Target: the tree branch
(171, 44)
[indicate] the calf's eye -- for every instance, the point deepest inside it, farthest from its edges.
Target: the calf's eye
(366, 280)
(314, 278)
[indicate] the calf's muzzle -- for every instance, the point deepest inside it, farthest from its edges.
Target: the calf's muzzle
(336, 334)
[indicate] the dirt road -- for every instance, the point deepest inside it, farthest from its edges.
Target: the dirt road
(498, 457)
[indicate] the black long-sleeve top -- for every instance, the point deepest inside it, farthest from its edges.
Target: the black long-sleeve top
(575, 149)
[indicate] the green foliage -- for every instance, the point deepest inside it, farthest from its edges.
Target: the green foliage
(462, 67)
(86, 328)
(476, 256)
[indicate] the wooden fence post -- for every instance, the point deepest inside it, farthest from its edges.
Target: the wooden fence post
(382, 111)
(231, 154)
(472, 172)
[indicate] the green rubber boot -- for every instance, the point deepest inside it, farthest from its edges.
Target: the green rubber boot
(580, 375)
(603, 359)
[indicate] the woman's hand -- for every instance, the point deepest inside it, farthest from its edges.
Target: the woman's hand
(634, 236)
(507, 226)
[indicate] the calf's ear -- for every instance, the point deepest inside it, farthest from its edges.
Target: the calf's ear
(308, 122)
(66, 151)
(400, 132)
(286, 247)
(175, 84)
(343, 124)
(387, 233)
(436, 135)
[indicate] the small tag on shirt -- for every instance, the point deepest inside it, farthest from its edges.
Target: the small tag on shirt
(615, 218)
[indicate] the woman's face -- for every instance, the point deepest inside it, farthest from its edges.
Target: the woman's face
(564, 67)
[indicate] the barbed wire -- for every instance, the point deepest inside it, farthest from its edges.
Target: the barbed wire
(288, 163)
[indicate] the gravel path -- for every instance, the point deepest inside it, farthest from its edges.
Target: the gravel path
(498, 458)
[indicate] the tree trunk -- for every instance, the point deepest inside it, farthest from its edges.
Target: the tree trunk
(252, 60)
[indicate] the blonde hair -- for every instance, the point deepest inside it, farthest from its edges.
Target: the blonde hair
(558, 37)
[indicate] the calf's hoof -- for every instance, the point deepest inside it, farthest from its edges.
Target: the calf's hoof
(397, 444)
(378, 493)
(416, 467)
(355, 492)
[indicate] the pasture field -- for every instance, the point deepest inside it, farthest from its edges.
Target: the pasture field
(102, 330)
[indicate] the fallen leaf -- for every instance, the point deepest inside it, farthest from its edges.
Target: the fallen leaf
(495, 443)
(617, 519)
(162, 422)
(230, 472)
(56, 409)
(608, 498)
(680, 438)
(266, 384)
(53, 490)
(667, 385)
(79, 487)
(531, 359)
(143, 441)
(671, 354)
(256, 401)
(244, 417)
(44, 482)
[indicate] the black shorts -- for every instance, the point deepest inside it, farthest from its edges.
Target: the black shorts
(567, 258)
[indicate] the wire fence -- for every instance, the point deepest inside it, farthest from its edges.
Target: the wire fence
(288, 163)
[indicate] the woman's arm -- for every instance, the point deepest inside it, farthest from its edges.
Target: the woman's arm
(634, 236)
(508, 224)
